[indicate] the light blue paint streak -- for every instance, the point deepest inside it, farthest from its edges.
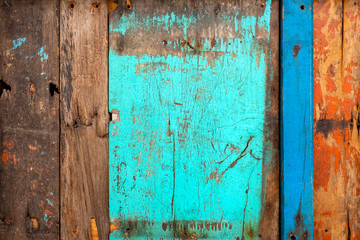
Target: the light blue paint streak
(211, 104)
(18, 42)
(51, 204)
(297, 120)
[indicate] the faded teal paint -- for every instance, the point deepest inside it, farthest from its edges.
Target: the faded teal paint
(43, 54)
(188, 146)
(18, 42)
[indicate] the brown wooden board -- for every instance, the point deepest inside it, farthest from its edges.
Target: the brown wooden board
(29, 120)
(336, 112)
(84, 118)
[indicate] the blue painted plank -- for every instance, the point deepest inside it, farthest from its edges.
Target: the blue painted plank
(297, 120)
(186, 148)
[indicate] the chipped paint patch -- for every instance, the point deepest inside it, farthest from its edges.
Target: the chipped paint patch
(18, 42)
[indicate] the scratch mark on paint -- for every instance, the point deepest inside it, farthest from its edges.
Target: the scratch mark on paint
(242, 154)
(174, 177)
(51, 204)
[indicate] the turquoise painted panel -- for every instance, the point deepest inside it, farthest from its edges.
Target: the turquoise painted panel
(187, 92)
(297, 147)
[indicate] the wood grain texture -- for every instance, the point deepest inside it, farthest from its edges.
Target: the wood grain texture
(269, 226)
(84, 118)
(29, 120)
(194, 145)
(297, 120)
(336, 136)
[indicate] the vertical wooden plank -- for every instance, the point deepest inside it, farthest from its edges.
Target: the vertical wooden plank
(351, 89)
(193, 91)
(269, 226)
(336, 98)
(29, 120)
(331, 214)
(297, 120)
(84, 118)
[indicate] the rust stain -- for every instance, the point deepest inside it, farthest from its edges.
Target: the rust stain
(176, 103)
(33, 148)
(8, 144)
(5, 156)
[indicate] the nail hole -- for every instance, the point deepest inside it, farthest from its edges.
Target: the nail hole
(128, 6)
(71, 5)
(4, 86)
(302, 7)
(326, 230)
(53, 89)
(164, 42)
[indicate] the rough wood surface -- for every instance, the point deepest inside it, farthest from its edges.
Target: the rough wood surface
(29, 120)
(268, 227)
(84, 118)
(336, 112)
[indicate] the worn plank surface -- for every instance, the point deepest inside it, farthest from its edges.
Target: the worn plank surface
(84, 118)
(29, 120)
(336, 136)
(193, 139)
(297, 121)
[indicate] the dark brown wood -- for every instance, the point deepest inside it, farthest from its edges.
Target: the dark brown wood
(29, 120)
(269, 224)
(84, 118)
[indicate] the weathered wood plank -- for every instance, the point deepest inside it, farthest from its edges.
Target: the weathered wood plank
(297, 121)
(330, 214)
(84, 118)
(269, 228)
(351, 89)
(193, 147)
(29, 120)
(336, 96)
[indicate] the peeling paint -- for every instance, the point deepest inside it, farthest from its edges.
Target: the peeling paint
(188, 148)
(18, 42)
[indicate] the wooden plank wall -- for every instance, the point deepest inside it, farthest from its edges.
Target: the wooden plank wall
(336, 116)
(35, 43)
(297, 121)
(29, 120)
(84, 118)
